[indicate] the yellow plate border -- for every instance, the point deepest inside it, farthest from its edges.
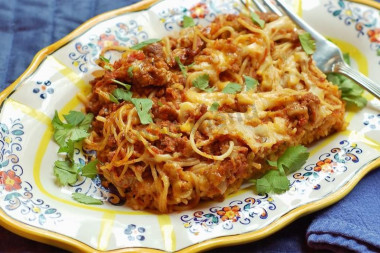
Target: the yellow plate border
(68, 243)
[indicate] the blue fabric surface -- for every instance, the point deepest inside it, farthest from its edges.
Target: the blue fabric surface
(26, 26)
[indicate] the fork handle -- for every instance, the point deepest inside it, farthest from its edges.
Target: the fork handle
(362, 80)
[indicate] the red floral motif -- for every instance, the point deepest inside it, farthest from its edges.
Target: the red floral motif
(199, 10)
(10, 181)
(107, 40)
(374, 35)
(229, 213)
(326, 165)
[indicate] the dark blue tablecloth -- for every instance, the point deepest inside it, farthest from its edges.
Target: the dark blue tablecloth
(26, 26)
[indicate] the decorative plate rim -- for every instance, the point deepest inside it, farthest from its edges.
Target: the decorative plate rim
(71, 244)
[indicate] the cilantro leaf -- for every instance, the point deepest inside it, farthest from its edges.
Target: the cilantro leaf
(122, 94)
(101, 57)
(346, 58)
(292, 159)
(351, 91)
(275, 180)
(143, 44)
(202, 82)
(307, 43)
(272, 181)
(86, 122)
(127, 86)
(112, 98)
(256, 19)
(232, 88)
(130, 71)
(74, 117)
(250, 83)
(65, 172)
(181, 66)
(188, 22)
(84, 199)
(143, 105)
(68, 149)
(214, 107)
(89, 170)
(56, 122)
(108, 67)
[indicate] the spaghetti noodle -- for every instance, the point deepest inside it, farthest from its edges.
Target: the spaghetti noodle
(184, 151)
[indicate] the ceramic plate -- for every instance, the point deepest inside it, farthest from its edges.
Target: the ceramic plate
(31, 204)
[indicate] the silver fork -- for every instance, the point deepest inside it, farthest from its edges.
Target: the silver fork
(327, 55)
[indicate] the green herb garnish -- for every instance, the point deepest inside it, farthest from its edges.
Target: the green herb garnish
(202, 82)
(89, 170)
(101, 57)
(112, 98)
(122, 94)
(214, 107)
(66, 172)
(75, 129)
(351, 91)
(250, 83)
(188, 22)
(256, 19)
(85, 199)
(130, 71)
(307, 43)
(143, 44)
(143, 106)
(232, 88)
(127, 86)
(275, 180)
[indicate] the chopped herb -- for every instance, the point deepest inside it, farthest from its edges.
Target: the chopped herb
(202, 82)
(108, 67)
(181, 66)
(214, 107)
(89, 170)
(275, 180)
(68, 149)
(112, 98)
(75, 130)
(307, 42)
(250, 83)
(256, 19)
(188, 22)
(232, 88)
(101, 57)
(66, 172)
(143, 105)
(160, 103)
(143, 44)
(130, 71)
(378, 52)
(127, 86)
(346, 58)
(84, 199)
(351, 91)
(122, 94)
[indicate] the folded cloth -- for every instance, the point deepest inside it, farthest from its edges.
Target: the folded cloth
(353, 224)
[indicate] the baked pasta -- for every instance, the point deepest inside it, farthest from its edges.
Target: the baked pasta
(205, 109)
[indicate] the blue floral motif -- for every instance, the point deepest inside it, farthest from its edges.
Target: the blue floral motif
(135, 233)
(329, 165)
(17, 194)
(238, 211)
(43, 88)
(121, 34)
(372, 121)
(362, 19)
